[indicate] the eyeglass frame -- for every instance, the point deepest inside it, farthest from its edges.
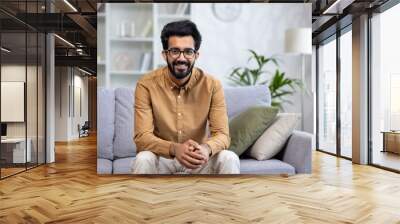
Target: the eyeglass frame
(180, 52)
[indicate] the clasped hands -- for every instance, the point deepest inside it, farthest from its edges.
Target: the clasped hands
(191, 154)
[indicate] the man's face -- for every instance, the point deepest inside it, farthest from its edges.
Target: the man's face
(180, 63)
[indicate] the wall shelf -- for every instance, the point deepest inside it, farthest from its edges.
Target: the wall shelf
(147, 20)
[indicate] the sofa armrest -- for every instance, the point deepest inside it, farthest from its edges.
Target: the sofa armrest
(298, 151)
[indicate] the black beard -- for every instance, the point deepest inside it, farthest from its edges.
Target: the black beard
(180, 75)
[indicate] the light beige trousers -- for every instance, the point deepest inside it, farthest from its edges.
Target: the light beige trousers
(224, 162)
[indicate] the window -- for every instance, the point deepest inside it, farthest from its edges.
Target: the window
(333, 137)
(327, 97)
(346, 94)
(385, 86)
(22, 77)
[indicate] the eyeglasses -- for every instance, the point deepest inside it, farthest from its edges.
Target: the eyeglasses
(188, 53)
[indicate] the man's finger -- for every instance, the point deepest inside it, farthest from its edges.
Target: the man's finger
(191, 148)
(188, 165)
(192, 160)
(196, 154)
(194, 143)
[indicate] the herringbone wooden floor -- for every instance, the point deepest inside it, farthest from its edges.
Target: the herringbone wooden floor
(70, 191)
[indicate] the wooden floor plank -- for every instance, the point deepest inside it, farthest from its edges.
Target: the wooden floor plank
(70, 191)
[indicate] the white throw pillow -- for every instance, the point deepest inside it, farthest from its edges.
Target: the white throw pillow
(274, 137)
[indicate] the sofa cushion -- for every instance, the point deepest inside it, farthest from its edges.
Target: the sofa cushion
(274, 137)
(104, 166)
(105, 123)
(239, 99)
(272, 166)
(123, 166)
(124, 145)
(245, 128)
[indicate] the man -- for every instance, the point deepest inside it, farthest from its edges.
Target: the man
(174, 108)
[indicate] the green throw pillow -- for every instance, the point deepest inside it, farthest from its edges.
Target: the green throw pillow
(247, 127)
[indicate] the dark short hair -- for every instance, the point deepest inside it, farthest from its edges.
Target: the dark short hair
(180, 28)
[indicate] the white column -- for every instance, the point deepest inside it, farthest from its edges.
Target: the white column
(50, 99)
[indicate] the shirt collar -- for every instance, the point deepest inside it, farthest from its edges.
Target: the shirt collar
(171, 84)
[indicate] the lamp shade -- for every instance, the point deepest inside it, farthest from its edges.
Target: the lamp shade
(298, 41)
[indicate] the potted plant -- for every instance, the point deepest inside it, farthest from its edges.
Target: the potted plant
(279, 85)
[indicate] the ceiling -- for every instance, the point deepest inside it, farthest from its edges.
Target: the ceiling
(331, 15)
(76, 24)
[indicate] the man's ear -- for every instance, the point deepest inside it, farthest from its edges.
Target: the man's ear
(164, 55)
(197, 55)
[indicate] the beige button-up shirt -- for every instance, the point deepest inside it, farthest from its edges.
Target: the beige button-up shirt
(166, 113)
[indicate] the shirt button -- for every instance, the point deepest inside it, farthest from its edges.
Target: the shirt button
(180, 132)
(179, 114)
(179, 96)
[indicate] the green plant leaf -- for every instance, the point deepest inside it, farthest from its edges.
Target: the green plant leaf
(283, 93)
(279, 85)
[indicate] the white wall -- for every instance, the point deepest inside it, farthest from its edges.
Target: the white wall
(15, 72)
(61, 103)
(33, 126)
(67, 84)
(260, 27)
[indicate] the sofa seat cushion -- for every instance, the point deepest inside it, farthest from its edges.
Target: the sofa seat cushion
(272, 166)
(247, 166)
(104, 166)
(123, 166)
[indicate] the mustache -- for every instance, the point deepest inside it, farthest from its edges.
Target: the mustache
(181, 63)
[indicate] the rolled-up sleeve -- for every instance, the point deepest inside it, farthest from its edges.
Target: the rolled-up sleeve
(218, 120)
(144, 125)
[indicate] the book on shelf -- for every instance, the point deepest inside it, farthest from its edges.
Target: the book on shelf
(181, 9)
(147, 28)
(145, 64)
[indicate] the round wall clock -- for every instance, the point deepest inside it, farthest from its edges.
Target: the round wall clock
(227, 12)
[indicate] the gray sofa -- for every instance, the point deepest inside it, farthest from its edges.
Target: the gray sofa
(116, 149)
